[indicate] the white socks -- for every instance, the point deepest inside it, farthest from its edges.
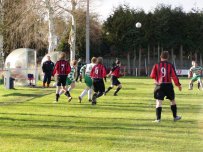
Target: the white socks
(89, 94)
(83, 93)
(69, 89)
(61, 92)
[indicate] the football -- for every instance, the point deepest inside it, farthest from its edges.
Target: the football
(54, 84)
(138, 25)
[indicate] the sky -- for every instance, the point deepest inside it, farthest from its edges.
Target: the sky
(105, 7)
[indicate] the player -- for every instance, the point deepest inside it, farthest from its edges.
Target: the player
(115, 74)
(195, 72)
(88, 81)
(47, 68)
(61, 70)
(162, 73)
(70, 81)
(97, 74)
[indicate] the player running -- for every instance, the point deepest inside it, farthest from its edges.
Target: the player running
(97, 74)
(115, 74)
(70, 81)
(195, 72)
(162, 73)
(88, 81)
(61, 70)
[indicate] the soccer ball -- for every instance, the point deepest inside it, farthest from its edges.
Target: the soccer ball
(54, 84)
(138, 25)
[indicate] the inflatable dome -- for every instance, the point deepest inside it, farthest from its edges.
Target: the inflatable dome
(22, 62)
(54, 57)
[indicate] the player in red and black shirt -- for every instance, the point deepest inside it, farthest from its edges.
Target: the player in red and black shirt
(162, 73)
(115, 74)
(61, 70)
(97, 74)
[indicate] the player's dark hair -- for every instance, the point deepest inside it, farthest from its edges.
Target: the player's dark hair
(99, 60)
(164, 55)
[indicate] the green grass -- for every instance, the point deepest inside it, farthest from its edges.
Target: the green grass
(29, 121)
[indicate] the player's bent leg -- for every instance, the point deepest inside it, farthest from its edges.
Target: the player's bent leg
(84, 92)
(94, 99)
(174, 111)
(200, 85)
(67, 94)
(118, 89)
(72, 86)
(190, 85)
(109, 88)
(99, 94)
(82, 95)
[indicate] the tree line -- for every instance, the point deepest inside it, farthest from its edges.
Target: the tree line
(165, 28)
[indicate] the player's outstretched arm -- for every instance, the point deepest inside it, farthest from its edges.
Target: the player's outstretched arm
(109, 74)
(175, 79)
(180, 88)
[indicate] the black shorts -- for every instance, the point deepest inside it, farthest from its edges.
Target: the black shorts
(98, 85)
(61, 80)
(47, 78)
(164, 90)
(115, 81)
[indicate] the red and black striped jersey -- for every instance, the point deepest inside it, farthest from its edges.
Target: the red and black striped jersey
(163, 72)
(62, 67)
(98, 71)
(115, 71)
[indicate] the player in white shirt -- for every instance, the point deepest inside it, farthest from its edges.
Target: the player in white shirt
(86, 69)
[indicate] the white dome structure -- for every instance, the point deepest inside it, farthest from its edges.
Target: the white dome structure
(54, 57)
(22, 62)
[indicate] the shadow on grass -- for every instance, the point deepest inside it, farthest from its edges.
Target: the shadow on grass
(77, 124)
(95, 127)
(22, 95)
(27, 97)
(100, 121)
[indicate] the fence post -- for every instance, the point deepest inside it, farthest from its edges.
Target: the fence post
(7, 77)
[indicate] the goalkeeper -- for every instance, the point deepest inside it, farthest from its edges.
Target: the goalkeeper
(196, 73)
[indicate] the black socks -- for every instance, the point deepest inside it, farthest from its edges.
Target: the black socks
(57, 97)
(109, 88)
(158, 113)
(117, 90)
(67, 94)
(174, 110)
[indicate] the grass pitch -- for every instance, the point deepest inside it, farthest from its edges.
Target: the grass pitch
(29, 121)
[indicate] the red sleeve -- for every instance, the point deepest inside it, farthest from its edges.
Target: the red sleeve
(175, 77)
(68, 68)
(92, 72)
(153, 74)
(55, 69)
(104, 72)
